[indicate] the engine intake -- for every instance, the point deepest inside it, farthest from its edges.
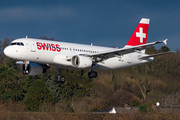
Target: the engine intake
(81, 61)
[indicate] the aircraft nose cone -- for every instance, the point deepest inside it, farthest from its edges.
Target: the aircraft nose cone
(7, 51)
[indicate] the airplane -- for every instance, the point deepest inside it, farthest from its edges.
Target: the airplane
(37, 55)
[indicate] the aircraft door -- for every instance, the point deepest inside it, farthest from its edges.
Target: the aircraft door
(32, 45)
(34, 54)
(129, 59)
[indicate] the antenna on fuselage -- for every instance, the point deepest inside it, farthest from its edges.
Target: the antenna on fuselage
(91, 44)
(26, 37)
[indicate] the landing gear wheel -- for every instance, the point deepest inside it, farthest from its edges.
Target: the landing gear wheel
(95, 74)
(60, 79)
(92, 74)
(25, 68)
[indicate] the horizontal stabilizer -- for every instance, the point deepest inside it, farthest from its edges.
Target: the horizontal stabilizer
(146, 57)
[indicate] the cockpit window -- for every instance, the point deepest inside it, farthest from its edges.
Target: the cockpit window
(22, 44)
(13, 44)
(17, 43)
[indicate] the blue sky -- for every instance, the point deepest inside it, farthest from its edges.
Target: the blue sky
(101, 22)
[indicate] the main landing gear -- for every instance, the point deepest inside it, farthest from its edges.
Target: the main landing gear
(59, 79)
(92, 74)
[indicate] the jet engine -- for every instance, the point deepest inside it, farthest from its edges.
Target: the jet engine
(81, 61)
(32, 69)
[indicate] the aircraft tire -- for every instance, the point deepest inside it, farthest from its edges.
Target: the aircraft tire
(62, 79)
(92, 74)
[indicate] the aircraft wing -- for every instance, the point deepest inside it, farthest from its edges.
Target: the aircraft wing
(122, 51)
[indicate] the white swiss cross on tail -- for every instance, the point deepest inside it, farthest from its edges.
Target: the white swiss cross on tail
(140, 34)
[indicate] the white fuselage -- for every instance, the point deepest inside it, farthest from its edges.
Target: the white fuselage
(45, 52)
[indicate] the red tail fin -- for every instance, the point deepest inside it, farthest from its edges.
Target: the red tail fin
(140, 34)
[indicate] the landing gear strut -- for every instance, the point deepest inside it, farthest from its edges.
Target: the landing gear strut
(45, 67)
(60, 79)
(92, 74)
(26, 67)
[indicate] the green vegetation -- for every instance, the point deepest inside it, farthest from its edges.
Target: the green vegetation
(135, 86)
(146, 108)
(38, 93)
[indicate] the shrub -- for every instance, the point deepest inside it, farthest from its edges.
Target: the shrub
(134, 102)
(97, 108)
(142, 108)
(146, 108)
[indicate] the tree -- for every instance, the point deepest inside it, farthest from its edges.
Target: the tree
(72, 91)
(164, 49)
(4, 44)
(11, 83)
(1, 51)
(12, 64)
(151, 50)
(37, 94)
(144, 86)
(53, 87)
(28, 82)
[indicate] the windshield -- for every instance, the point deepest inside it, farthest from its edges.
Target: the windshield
(17, 43)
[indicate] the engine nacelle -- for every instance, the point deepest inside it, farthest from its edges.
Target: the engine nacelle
(81, 61)
(32, 69)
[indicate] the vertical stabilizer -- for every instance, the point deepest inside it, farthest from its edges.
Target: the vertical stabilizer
(139, 36)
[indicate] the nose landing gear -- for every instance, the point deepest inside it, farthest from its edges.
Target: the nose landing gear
(25, 67)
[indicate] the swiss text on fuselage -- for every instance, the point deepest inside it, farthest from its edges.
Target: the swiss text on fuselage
(48, 46)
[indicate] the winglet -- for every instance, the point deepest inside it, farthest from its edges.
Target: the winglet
(165, 41)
